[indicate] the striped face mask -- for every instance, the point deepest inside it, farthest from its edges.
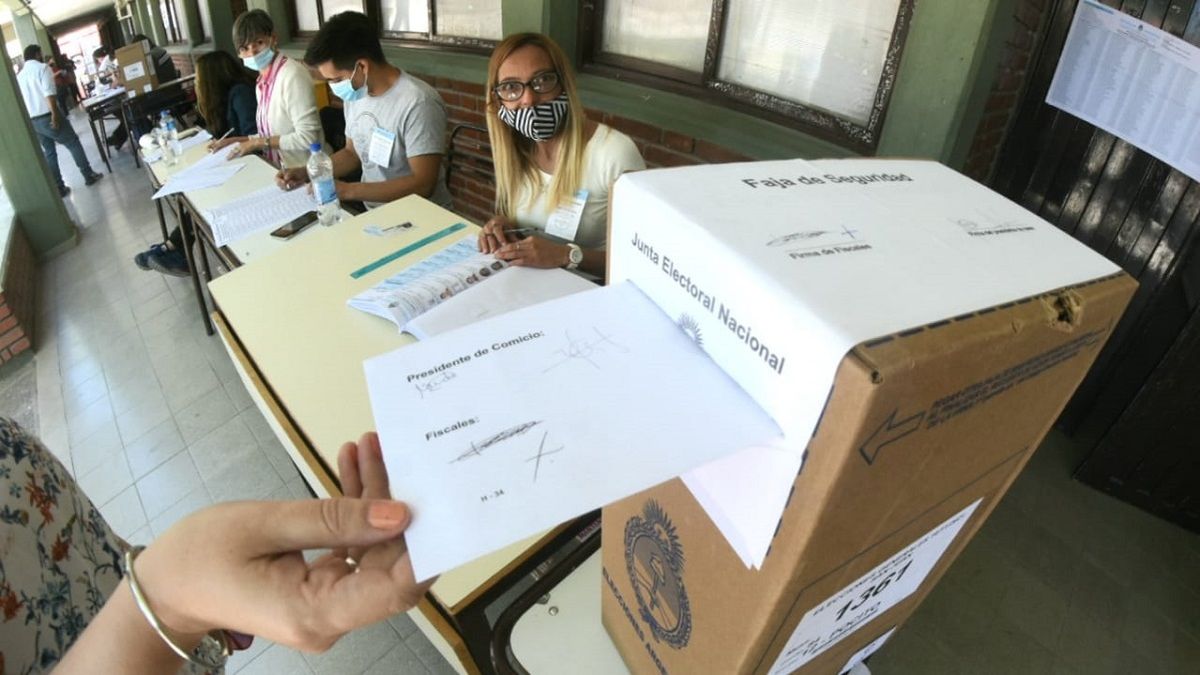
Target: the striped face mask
(539, 122)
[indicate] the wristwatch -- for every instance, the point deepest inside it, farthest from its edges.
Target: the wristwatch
(574, 256)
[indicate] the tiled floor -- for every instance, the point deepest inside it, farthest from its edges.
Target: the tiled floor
(149, 411)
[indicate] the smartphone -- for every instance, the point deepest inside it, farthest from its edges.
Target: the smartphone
(291, 229)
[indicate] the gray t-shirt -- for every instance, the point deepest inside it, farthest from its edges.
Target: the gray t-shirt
(411, 111)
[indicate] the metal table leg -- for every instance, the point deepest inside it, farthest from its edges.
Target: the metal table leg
(133, 146)
(100, 145)
(162, 221)
(187, 228)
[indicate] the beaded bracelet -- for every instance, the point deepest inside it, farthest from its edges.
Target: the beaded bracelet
(213, 643)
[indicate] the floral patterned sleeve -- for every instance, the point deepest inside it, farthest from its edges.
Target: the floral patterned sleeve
(59, 559)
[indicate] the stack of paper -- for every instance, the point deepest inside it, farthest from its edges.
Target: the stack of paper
(508, 427)
(186, 181)
(263, 209)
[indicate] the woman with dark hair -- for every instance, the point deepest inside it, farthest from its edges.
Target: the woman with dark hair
(225, 99)
(225, 95)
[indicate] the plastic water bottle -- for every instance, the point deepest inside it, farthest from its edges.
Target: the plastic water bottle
(320, 173)
(173, 142)
(169, 137)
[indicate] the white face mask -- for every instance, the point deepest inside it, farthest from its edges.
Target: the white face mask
(346, 90)
(539, 122)
(261, 60)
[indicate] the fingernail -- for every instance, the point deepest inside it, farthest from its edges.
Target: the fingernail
(387, 515)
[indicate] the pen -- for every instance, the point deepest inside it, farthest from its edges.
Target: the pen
(223, 136)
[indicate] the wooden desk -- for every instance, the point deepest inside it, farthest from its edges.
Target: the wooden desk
(299, 349)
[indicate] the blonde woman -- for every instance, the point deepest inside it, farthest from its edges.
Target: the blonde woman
(554, 167)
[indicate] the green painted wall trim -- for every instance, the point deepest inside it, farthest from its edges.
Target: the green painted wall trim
(945, 74)
(141, 17)
(934, 96)
(60, 249)
(25, 174)
(221, 19)
(158, 30)
(1001, 27)
(191, 18)
(524, 15)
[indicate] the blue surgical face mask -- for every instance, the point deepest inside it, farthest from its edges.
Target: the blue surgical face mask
(261, 60)
(346, 90)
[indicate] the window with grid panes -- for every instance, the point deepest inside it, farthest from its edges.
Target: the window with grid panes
(452, 22)
(825, 66)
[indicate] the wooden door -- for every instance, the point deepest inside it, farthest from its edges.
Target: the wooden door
(1132, 208)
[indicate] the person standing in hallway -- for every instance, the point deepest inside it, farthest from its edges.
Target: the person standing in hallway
(50, 123)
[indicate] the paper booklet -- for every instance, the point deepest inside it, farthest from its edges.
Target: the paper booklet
(403, 296)
(509, 289)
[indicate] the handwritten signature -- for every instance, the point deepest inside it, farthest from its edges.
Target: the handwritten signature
(586, 350)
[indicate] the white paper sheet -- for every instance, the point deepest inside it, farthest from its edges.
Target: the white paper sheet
(869, 596)
(186, 182)
(195, 139)
(498, 431)
(744, 495)
(263, 209)
(508, 289)
(1134, 81)
(210, 160)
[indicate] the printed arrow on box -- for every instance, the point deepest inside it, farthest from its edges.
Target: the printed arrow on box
(889, 432)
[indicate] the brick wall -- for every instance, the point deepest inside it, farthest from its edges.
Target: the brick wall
(17, 301)
(1006, 91)
(472, 178)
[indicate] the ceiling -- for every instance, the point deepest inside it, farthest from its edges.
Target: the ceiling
(54, 11)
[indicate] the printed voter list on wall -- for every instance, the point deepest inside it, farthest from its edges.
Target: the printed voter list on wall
(495, 432)
(869, 596)
(1134, 81)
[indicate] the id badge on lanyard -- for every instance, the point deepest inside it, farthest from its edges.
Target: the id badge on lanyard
(564, 222)
(380, 150)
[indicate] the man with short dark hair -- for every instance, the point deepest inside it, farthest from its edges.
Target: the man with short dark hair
(395, 123)
(37, 88)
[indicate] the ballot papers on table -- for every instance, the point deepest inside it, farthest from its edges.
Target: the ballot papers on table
(403, 296)
(1133, 80)
(509, 289)
(498, 431)
(264, 209)
(187, 181)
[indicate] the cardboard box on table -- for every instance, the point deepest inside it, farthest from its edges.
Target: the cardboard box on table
(135, 69)
(921, 433)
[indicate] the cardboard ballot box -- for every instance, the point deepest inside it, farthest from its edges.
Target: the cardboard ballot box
(135, 70)
(914, 334)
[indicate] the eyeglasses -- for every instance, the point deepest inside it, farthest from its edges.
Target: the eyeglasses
(513, 90)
